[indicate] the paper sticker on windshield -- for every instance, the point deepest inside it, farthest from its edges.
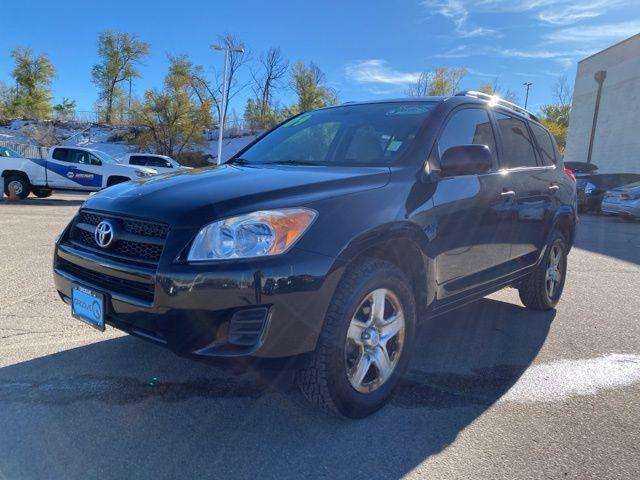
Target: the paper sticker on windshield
(394, 146)
(410, 109)
(298, 120)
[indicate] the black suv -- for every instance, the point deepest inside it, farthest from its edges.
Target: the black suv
(326, 240)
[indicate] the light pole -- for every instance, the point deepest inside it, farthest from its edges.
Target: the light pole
(223, 107)
(526, 99)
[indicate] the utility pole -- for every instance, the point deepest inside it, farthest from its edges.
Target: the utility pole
(526, 99)
(599, 77)
(129, 95)
(225, 92)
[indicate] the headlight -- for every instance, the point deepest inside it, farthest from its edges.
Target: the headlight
(256, 234)
(145, 173)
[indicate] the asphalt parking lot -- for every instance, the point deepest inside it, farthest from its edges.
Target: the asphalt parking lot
(494, 391)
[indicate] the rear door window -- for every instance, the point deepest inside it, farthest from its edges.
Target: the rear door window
(60, 154)
(79, 156)
(158, 162)
(517, 145)
(139, 160)
(545, 144)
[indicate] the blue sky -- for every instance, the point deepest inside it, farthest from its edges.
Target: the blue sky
(368, 49)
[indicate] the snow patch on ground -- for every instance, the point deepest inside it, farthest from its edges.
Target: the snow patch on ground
(567, 378)
(98, 139)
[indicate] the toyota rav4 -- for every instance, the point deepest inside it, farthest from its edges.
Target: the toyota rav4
(328, 238)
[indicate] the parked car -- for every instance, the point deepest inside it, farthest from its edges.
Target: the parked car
(581, 169)
(325, 240)
(591, 188)
(160, 163)
(623, 201)
(66, 168)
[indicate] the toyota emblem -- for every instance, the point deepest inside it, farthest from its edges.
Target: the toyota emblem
(104, 234)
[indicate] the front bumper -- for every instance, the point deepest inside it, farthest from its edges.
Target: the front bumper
(267, 308)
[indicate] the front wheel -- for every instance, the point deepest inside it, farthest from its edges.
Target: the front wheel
(542, 289)
(20, 186)
(365, 344)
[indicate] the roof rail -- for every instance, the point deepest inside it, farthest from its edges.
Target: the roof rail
(498, 101)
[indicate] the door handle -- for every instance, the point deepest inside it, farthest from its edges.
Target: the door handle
(508, 193)
(554, 188)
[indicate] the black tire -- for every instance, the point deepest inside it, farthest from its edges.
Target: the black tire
(534, 290)
(23, 187)
(43, 192)
(324, 377)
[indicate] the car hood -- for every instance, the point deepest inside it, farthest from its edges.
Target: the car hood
(195, 197)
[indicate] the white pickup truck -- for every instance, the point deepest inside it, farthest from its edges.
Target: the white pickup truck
(66, 168)
(160, 163)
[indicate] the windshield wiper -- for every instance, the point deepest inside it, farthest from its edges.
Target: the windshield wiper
(239, 161)
(294, 162)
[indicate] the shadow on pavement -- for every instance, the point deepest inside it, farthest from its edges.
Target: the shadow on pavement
(610, 236)
(124, 409)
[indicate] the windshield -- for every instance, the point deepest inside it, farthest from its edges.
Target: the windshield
(366, 134)
(7, 152)
(106, 158)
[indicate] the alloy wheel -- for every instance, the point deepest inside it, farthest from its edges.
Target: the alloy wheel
(554, 270)
(374, 340)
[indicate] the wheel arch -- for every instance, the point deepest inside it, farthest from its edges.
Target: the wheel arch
(403, 244)
(565, 222)
(18, 173)
(115, 179)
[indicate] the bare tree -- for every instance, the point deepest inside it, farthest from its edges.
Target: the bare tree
(273, 68)
(562, 93)
(421, 87)
(442, 81)
(210, 90)
(496, 89)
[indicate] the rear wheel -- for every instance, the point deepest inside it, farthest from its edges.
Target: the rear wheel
(19, 184)
(365, 344)
(543, 288)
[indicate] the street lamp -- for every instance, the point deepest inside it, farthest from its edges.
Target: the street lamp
(526, 100)
(223, 107)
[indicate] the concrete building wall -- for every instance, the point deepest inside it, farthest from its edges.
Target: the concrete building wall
(616, 146)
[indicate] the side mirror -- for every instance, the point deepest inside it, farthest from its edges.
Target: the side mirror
(466, 160)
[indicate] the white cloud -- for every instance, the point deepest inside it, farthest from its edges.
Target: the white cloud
(376, 71)
(457, 11)
(601, 34)
(540, 54)
(478, 73)
(460, 51)
(554, 12)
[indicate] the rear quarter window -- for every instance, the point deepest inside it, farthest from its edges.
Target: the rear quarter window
(517, 145)
(545, 144)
